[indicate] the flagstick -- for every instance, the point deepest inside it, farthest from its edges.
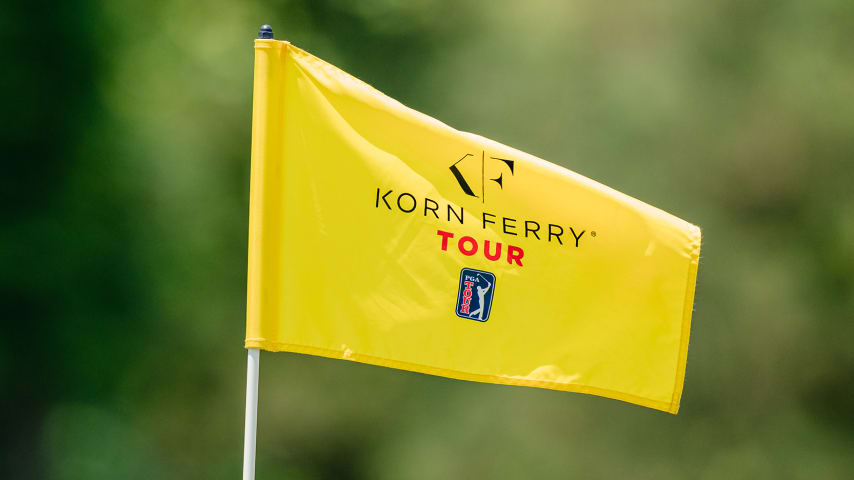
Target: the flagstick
(252, 365)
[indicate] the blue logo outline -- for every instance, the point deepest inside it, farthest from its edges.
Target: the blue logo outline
(488, 294)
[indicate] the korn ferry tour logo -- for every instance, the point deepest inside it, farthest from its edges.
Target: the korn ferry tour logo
(474, 300)
(476, 175)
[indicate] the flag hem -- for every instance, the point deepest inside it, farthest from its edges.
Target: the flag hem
(444, 372)
(687, 312)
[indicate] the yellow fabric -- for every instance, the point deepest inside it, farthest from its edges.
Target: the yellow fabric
(339, 267)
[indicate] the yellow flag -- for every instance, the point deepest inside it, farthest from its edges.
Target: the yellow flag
(380, 235)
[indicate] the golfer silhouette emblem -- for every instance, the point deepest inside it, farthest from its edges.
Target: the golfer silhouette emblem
(474, 299)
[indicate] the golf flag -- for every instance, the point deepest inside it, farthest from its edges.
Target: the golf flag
(380, 235)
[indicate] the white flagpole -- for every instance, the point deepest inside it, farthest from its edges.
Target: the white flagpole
(251, 414)
(252, 367)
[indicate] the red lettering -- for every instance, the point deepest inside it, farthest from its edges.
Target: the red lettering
(497, 251)
(467, 251)
(445, 236)
(514, 253)
(469, 246)
(466, 297)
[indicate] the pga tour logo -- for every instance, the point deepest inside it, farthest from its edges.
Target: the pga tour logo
(474, 300)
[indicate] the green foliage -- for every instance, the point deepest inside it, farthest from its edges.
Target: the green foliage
(125, 147)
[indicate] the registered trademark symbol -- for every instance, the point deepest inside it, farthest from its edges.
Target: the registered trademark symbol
(592, 234)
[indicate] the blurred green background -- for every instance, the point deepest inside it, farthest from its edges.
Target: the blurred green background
(125, 147)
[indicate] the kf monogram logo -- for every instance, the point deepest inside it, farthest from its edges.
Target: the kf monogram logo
(494, 162)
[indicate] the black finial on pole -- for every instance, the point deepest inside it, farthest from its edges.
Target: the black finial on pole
(266, 32)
